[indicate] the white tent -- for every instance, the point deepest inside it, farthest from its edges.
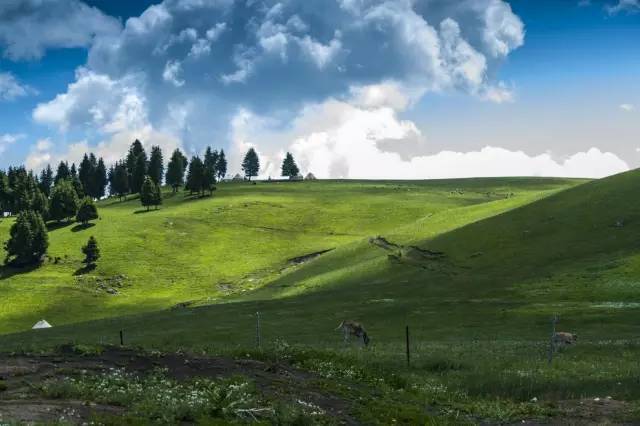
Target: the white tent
(41, 324)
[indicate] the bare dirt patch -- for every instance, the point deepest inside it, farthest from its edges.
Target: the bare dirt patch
(588, 412)
(383, 243)
(413, 255)
(23, 374)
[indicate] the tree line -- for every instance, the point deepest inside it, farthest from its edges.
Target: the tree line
(71, 192)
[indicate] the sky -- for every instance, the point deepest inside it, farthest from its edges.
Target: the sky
(404, 89)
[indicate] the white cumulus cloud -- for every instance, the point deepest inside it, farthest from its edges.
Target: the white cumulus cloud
(9, 139)
(29, 27)
(629, 6)
(337, 139)
(171, 73)
(350, 61)
(11, 88)
(97, 102)
(114, 111)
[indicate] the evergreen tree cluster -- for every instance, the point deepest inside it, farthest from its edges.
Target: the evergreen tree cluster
(175, 170)
(36, 199)
(71, 191)
(21, 191)
(150, 193)
(28, 239)
(119, 180)
(202, 175)
(92, 174)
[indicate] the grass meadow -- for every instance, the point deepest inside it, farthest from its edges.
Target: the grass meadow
(476, 268)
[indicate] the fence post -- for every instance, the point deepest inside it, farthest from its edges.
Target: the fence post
(408, 349)
(121, 338)
(258, 336)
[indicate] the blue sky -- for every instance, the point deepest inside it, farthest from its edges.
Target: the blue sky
(354, 88)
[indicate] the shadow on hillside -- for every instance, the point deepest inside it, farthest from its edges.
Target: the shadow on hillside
(143, 211)
(52, 226)
(8, 271)
(85, 269)
(197, 197)
(82, 227)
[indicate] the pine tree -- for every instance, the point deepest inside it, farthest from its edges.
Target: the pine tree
(251, 164)
(91, 252)
(40, 204)
(139, 173)
(157, 196)
(77, 185)
(119, 180)
(100, 180)
(40, 241)
(64, 201)
(156, 165)
(73, 172)
(93, 184)
(63, 172)
(209, 170)
(5, 193)
(132, 158)
(221, 167)
(195, 175)
(19, 245)
(175, 170)
(87, 211)
(289, 167)
(46, 180)
(28, 239)
(148, 193)
(24, 190)
(85, 175)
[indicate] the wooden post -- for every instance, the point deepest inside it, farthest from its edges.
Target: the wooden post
(408, 349)
(121, 338)
(258, 336)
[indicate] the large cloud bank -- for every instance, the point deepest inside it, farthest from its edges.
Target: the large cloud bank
(364, 138)
(327, 80)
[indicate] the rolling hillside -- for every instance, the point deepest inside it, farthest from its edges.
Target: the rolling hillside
(508, 263)
(204, 250)
(475, 268)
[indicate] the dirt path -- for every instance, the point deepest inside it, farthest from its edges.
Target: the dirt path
(22, 374)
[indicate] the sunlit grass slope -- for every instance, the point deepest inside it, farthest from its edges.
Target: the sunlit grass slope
(203, 250)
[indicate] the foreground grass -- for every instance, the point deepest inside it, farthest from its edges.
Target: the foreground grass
(447, 383)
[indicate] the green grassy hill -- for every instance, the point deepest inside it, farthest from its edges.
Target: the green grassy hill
(204, 250)
(476, 268)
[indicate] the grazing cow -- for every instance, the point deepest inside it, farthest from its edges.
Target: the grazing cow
(352, 328)
(561, 339)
